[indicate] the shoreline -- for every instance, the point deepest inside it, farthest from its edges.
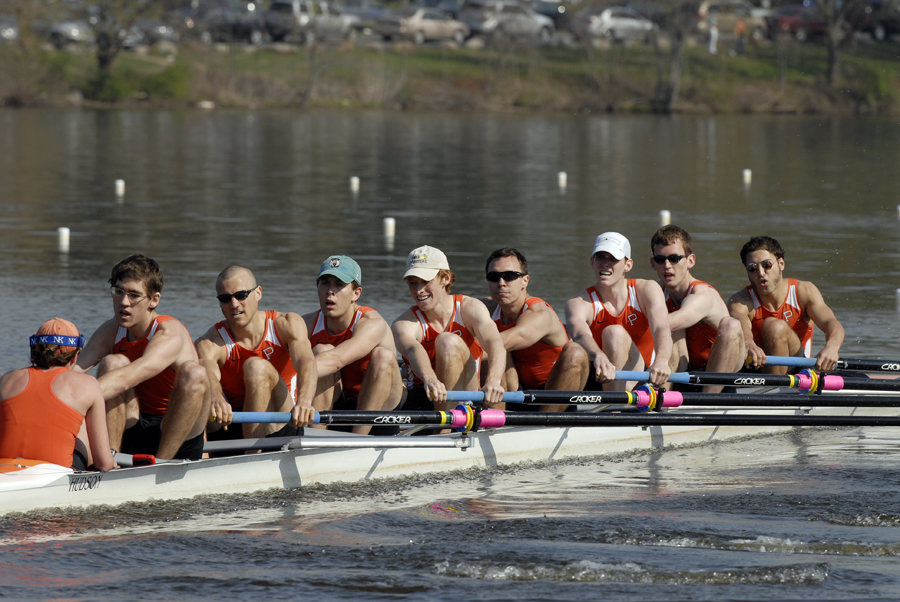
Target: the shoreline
(783, 78)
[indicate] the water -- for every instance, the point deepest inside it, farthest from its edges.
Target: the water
(809, 515)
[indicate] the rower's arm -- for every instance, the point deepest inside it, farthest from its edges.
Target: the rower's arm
(98, 346)
(531, 327)
(370, 329)
(162, 351)
(408, 338)
(291, 329)
(696, 307)
(815, 307)
(95, 422)
(741, 308)
(211, 351)
(653, 303)
(485, 330)
(579, 314)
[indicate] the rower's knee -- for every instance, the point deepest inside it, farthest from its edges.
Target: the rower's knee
(192, 379)
(258, 371)
(774, 332)
(616, 344)
(382, 361)
(111, 362)
(447, 344)
(730, 329)
(573, 357)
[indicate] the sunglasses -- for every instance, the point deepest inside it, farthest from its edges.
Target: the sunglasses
(673, 259)
(240, 295)
(766, 265)
(507, 276)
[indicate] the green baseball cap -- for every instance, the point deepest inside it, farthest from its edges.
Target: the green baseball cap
(342, 267)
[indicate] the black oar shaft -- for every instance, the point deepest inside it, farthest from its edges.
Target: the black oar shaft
(717, 399)
(869, 365)
(784, 380)
(673, 419)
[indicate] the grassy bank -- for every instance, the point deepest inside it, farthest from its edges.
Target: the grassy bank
(772, 78)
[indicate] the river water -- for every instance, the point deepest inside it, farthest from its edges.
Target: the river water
(809, 515)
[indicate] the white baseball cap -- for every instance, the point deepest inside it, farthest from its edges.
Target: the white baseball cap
(613, 243)
(425, 262)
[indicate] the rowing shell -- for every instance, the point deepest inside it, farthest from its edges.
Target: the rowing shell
(321, 456)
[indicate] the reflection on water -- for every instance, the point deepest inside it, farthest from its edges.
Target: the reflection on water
(270, 190)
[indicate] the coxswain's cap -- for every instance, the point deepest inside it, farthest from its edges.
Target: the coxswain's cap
(342, 267)
(58, 332)
(425, 262)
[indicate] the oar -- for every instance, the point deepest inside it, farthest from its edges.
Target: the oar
(805, 381)
(477, 418)
(646, 397)
(843, 364)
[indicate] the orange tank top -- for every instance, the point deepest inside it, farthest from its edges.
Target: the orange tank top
(789, 311)
(699, 337)
(533, 364)
(351, 374)
(632, 319)
(270, 348)
(429, 336)
(36, 424)
(153, 394)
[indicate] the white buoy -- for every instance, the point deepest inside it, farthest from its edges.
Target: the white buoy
(63, 238)
(898, 210)
(563, 179)
(120, 187)
(898, 299)
(354, 184)
(665, 217)
(748, 177)
(390, 226)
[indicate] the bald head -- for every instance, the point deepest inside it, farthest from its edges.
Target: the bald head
(236, 271)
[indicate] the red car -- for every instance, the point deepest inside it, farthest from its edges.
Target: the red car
(801, 22)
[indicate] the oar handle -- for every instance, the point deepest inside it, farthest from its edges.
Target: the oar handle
(477, 396)
(675, 377)
(265, 418)
(793, 362)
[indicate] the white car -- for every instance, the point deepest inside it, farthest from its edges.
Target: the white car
(620, 23)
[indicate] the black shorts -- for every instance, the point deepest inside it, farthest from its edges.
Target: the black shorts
(144, 438)
(342, 403)
(79, 462)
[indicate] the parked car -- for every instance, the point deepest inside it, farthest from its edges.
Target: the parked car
(506, 19)
(800, 22)
(64, 32)
(553, 9)
(880, 20)
(222, 21)
(421, 25)
(9, 28)
(616, 23)
(727, 14)
(146, 32)
(308, 19)
(368, 11)
(449, 7)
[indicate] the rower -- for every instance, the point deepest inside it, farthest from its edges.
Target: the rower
(157, 395)
(256, 361)
(621, 323)
(48, 411)
(777, 313)
(443, 336)
(356, 359)
(539, 355)
(705, 337)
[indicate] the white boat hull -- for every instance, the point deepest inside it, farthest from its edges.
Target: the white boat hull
(47, 486)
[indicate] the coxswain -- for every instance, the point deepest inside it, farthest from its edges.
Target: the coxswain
(256, 361)
(156, 391)
(48, 411)
(777, 313)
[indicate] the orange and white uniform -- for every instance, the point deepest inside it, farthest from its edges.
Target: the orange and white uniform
(270, 348)
(429, 336)
(632, 319)
(352, 374)
(699, 337)
(38, 425)
(533, 364)
(789, 311)
(153, 394)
